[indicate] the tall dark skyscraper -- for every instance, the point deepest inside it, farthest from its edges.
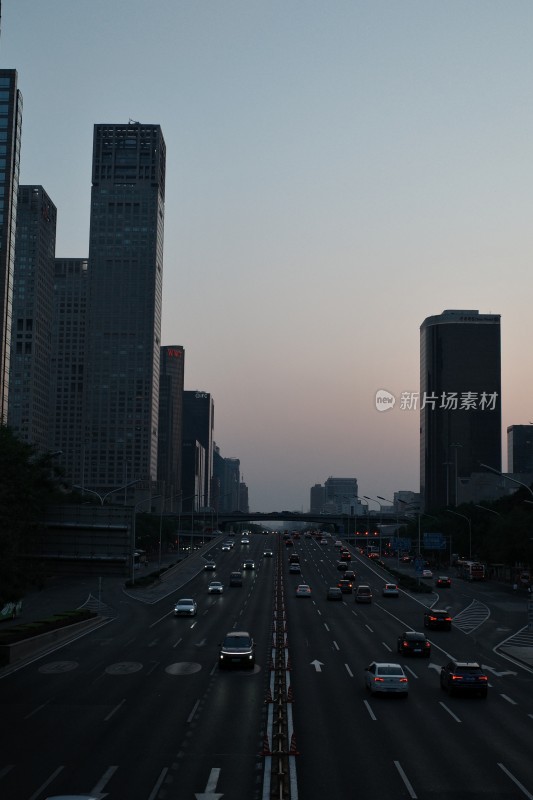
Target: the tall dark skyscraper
(10, 130)
(198, 424)
(124, 305)
(68, 364)
(31, 330)
(171, 376)
(460, 401)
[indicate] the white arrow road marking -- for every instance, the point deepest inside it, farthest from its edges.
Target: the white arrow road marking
(210, 790)
(496, 673)
(317, 665)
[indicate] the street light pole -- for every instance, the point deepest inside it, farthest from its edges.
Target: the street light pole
(469, 529)
(101, 497)
(397, 529)
(508, 477)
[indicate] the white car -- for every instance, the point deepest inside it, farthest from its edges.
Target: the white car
(390, 590)
(427, 573)
(210, 565)
(245, 540)
(384, 677)
(303, 590)
(338, 543)
(227, 545)
(215, 587)
(185, 607)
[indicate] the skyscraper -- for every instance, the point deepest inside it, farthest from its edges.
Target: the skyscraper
(68, 365)
(198, 424)
(460, 401)
(31, 329)
(124, 307)
(10, 129)
(170, 424)
(520, 448)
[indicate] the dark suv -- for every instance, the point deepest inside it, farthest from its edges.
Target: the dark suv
(437, 618)
(237, 649)
(465, 677)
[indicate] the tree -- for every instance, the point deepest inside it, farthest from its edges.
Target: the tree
(29, 483)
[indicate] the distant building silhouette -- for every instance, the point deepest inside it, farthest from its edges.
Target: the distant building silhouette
(520, 448)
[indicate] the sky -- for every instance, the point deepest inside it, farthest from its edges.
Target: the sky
(337, 171)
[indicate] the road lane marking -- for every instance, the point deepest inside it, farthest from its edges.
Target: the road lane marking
(516, 781)
(43, 786)
(386, 646)
(114, 710)
(349, 671)
(35, 711)
(509, 700)
(193, 712)
(155, 790)
(369, 628)
(106, 777)
(326, 626)
(335, 645)
(371, 713)
(411, 671)
(406, 781)
(450, 712)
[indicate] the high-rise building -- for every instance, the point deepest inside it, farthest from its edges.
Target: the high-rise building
(198, 424)
(68, 366)
(31, 329)
(317, 498)
(340, 490)
(520, 449)
(171, 374)
(460, 401)
(10, 130)
(124, 306)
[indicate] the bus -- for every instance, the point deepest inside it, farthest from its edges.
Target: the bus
(471, 570)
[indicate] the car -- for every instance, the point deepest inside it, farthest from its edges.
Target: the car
(437, 618)
(235, 578)
(210, 566)
(268, 553)
(324, 541)
(342, 566)
(414, 643)
(227, 545)
(345, 586)
(345, 555)
(363, 594)
(427, 573)
(349, 575)
(465, 677)
(237, 649)
(294, 558)
(245, 540)
(338, 543)
(215, 587)
(289, 543)
(295, 569)
(185, 607)
(443, 581)
(405, 559)
(390, 590)
(303, 590)
(334, 593)
(386, 678)
(248, 564)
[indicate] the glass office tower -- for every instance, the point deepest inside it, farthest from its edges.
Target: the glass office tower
(124, 306)
(10, 128)
(460, 401)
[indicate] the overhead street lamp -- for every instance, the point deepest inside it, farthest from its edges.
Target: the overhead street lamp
(397, 528)
(101, 497)
(380, 523)
(469, 529)
(134, 531)
(507, 477)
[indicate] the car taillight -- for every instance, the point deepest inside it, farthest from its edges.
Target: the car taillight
(448, 619)
(379, 680)
(403, 680)
(427, 644)
(482, 678)
(405, 643)
(457, 677)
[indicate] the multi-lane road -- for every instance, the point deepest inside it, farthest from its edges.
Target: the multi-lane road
(138, 710)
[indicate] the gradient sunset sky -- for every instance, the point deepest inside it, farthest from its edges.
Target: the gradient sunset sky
(337, 171)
